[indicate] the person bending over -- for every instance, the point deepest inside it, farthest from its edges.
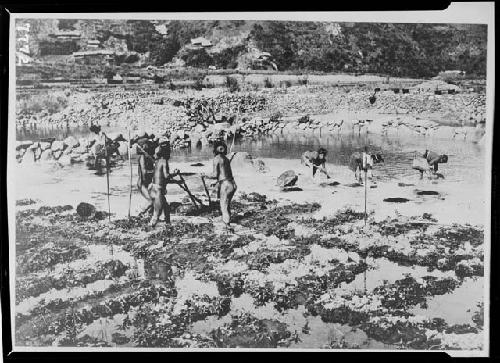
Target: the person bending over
(223, 175)
(433, 160)
(316, 160)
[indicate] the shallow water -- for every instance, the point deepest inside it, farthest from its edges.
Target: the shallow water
(54, 185)
(466, 161)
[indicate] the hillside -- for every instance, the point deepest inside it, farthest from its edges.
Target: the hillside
(293, 46)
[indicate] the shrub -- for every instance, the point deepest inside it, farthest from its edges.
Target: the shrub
(275, 117)
(198, 84)
(268, 83)
(303, 81)
(232, 84)
(35, 104)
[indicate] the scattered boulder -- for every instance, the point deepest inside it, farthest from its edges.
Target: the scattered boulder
(71, 142)
(65, 160)
(287, 179)
(23, 144)
(57, 154)
(86, 210)
(29, 156)
(57, 145)
(44, 146)
(46, 155)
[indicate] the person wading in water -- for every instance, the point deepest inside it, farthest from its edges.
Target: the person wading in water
(316, 160)
(145, 170)
(433, 160)
(224, 179)
(158, 187)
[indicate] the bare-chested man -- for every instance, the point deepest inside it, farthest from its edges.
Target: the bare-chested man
(157, 189)
(224, 179)
(145, 170)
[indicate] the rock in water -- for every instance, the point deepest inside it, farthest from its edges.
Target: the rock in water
(287, 179)
(85, 210)
(45, 145)
(71, 142)
(29, 156)
(65, 160)
(57, 145)
(46, 155)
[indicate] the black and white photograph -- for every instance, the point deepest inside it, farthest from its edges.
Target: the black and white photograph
(276, 181)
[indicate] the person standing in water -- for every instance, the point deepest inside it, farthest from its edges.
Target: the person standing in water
(364, 161)
(224, 180)
(158, 187)
(316, 160)
(145, 170)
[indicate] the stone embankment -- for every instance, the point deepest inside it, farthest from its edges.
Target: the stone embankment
(194, 118)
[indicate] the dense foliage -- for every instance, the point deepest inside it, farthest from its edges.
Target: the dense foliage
(383, 48)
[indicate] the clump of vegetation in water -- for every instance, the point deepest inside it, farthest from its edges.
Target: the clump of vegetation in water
(246, 331)
(43, 211)
(26, 201)
(47, 257)
(37, 285)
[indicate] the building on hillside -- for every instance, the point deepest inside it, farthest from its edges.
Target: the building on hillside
(201, 42)
(132, 79)
(455, 72)
(93, 44)
(116, 79)
(94, 57)
(66, 35)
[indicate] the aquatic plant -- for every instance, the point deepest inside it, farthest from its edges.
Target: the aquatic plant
(246, 331)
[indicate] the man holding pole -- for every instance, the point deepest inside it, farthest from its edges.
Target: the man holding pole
(224, 179)
(145, 169)
(161, 177)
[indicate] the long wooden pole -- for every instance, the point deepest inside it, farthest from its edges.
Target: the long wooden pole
(130, 167)
(107, 183)
(234, 134)
(366, 191)
(107, 173)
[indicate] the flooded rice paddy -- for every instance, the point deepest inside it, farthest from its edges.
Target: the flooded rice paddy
(302, 270)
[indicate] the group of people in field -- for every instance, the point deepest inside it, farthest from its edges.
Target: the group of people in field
(154, 173)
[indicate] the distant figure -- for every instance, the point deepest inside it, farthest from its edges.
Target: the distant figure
(316, 160)
(157, 189)
(433, 160)
(364, 162)
(145, 170)
(104, 153)
(226, 185)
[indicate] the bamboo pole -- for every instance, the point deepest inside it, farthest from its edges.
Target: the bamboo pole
(130, 167)
(107, 173)
(366, 191)
(107, 183)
